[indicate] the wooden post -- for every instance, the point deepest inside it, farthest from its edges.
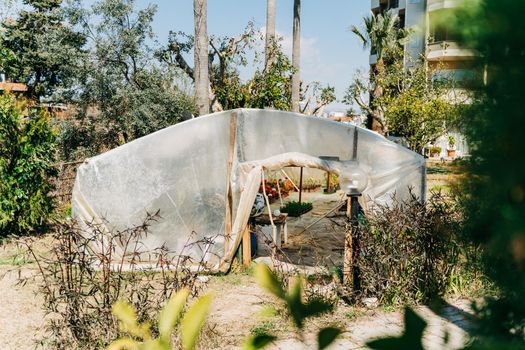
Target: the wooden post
(348, 258)
(246, 247)
(229, 199)
(327, 182)
(351, 275)
(300, 185)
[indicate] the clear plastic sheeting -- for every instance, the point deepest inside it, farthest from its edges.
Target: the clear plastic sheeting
(184, 172)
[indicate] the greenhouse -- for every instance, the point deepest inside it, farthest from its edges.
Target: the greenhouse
(203, 175)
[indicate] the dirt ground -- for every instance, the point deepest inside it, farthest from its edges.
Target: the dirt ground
(241, 308)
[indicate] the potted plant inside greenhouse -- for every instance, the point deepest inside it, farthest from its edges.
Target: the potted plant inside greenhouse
(451, 150)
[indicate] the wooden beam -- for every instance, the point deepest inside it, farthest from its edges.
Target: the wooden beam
(228, 220)
(246, 247)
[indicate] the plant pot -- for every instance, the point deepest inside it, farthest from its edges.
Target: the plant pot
(451, 153)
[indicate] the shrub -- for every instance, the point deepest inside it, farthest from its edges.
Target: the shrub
(81, 277)
(409, 250)
(27, 148)
(434, 151)
(296, 209)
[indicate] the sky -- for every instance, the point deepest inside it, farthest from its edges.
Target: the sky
(330, 53)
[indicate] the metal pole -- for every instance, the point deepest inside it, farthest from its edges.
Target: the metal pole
(300, 185)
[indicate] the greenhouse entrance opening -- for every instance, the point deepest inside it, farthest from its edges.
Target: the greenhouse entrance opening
(309, 214)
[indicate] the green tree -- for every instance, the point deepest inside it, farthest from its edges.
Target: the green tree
(27, 148)
(124, 92)
(46, 49)
(414, 104)
(380, 33)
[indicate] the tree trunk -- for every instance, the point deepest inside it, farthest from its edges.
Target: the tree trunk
(296, 55)
(376, 120)
(270, 33)
(201, 72)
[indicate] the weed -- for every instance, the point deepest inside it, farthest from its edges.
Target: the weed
(409, 250)
(354, 313)
(264, 327)
(81, 276)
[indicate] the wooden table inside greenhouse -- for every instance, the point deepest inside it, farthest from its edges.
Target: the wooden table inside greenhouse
(279, 222)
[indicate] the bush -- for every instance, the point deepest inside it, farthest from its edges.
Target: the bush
(27, 148)
(434, 151)
(296, 209)
(409, 250)
(81, 276)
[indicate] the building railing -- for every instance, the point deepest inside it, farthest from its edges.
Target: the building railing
(442, 49)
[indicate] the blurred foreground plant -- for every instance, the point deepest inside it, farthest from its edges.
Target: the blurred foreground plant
(190, 324)
(299, 311)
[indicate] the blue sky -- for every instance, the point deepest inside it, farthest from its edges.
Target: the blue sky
(330, 52)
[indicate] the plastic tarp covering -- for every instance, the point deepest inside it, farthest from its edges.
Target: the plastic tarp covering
(184, 172)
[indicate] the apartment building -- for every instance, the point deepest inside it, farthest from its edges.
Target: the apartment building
(432, 37)
(438, 43)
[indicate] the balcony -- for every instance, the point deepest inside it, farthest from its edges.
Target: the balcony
(434, 5)
(448, 51)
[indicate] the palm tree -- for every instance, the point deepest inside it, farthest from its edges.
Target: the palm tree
(270, 32)
(201, 73)
(380, 33)
(296, 55)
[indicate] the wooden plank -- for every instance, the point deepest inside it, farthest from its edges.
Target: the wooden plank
(246, 247)
(228, 220)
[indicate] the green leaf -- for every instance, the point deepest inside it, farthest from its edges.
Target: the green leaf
(156, 344)
(123, 344)
(127, 317)
(295, 304)
(268, 280)
(316, 307)
(326, 336)
(171, 312)
(258, 341)
(193, 321)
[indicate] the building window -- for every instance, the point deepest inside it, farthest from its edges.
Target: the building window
(393, 4)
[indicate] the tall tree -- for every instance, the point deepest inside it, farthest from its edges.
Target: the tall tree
(380, 33)
(201, 71)
(270, 33)
(122, 91)
(46, 49)
(296, 55)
